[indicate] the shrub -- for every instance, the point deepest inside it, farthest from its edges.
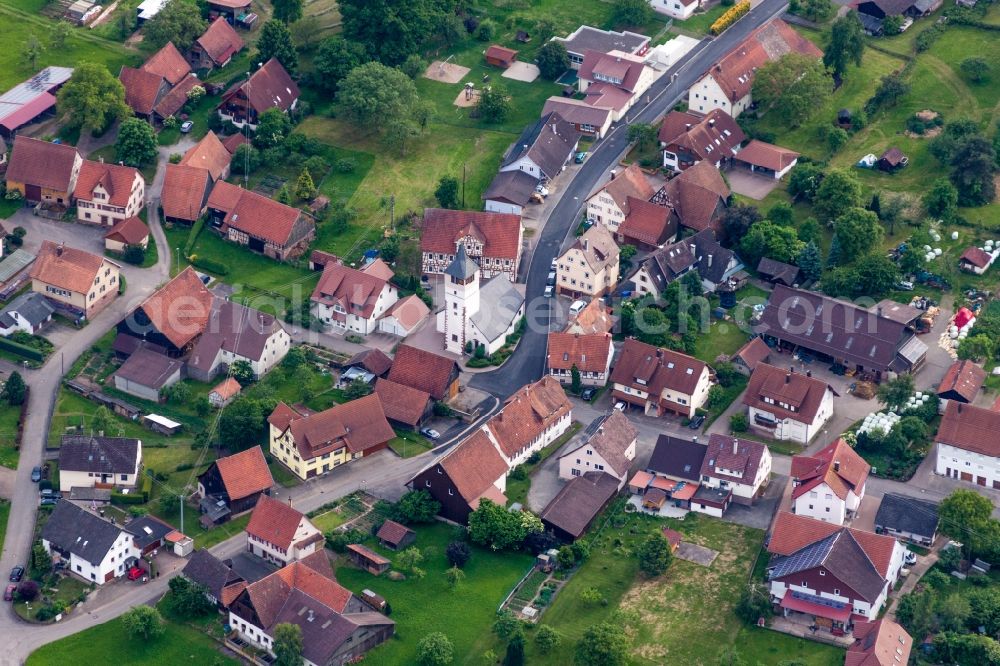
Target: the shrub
(486, 30)
(210, 265)
(732, 15)
(738, 422)
(458, 553)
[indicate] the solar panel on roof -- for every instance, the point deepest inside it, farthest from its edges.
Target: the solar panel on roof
(806, 558)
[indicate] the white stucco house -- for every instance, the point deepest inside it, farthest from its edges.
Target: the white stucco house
(739, 465)
(676, 9)
(829, 485)
(607, 445)
(352, 300)
(968, 446)
(93, 548)
(280, 534)
(87, 461)
(787, 405)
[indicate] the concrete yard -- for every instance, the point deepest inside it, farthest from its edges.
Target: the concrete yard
(698, 554)
(522, 71)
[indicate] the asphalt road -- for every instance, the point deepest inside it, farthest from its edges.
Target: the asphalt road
(527, 363)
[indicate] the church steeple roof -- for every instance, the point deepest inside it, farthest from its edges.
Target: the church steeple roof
(461, 268)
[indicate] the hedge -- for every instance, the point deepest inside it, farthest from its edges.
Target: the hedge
(210, 265)
(193, 235)
(132, 498)
(21, 350)
(732, 15)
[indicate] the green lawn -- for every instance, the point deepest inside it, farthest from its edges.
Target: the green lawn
(699, 23)
(408, 443)
(722, 337)
(179, 644)
(763, 646)
(4, 514)
(9, 417)
(329, 520)
(19, 18)
(420, 606)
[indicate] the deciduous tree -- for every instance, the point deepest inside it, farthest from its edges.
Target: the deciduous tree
(839, 192)
(941, 201)
(767, 239)
(136, 143)
(974, 164)
(494, 104)
(179, 21)
(416, 506)
(447, 192)
(553, 60)
(275, 41)
(335, 60)
(632, 13)
(287, 11)
(372, 93)
(143, 622)
(287, 646)
(847, 44)
(391, 30)
(435, 649)
(792, 87)
(602, 645)
(242, 424)
(92, 98)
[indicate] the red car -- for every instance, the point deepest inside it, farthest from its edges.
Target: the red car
(135, 573)
(8, 594)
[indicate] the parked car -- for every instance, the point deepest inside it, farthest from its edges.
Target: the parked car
(552, 265)
(696, 422)
(430, 433)
(135, 573)
(910, 558)
(905, 285)
(17, 573)
(541, 189)
(588, 393)
(36, 474)
(576, 307)
(551, 279)
(48, 493)
(549, 289)
(49, 501)
(186, 126)
(8, 594)
(620, 406)
(580, 157)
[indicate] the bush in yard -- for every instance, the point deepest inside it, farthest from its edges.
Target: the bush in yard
(515, 651)
(494, 104)
(447, 192)
(492, 525)
(242, 372)
(416, 506)
(603, 644)
(358, 388)
(245, 160)
(553, 60)
(732, 15)
(346, 165)
(654, 555)
(287, 646)
(458, 553)
(435, 649)
(27, 590)
(143, 622)
(136, 143)
(486, 30)
(338, 541)
(134, 254)
(631, 12)
(304, 187)
(188, 599)
(506, 625)
(739, 422)
(14, 390)
(547, 638)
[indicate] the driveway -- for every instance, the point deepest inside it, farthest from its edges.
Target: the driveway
(752, 185)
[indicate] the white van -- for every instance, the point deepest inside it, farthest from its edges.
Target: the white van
(576, 307)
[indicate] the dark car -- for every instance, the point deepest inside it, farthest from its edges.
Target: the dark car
(49, 501)
(588, 394)
(16, 574)
(8, 594)
(696, 422)
(36, 474)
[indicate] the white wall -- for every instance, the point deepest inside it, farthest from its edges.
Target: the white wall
(585, 459)
(503, 207)
(823, 504)
(113, 562)
(526, 165)
(953, 462)
(354, 323)
(271, 552)
(549, 435)
(674, 8)
(706, 94)
(602, 208)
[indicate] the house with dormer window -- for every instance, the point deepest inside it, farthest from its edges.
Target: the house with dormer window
(829, 485)
(787, 405)
(590, 354)
(660, 381)
(108, 193)
(740, 465)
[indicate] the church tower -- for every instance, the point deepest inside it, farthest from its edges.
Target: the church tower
(461, 299)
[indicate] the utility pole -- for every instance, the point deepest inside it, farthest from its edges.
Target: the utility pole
(392, 212)
(463, 184)
(177, 259)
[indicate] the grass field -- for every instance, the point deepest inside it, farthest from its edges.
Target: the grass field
(4, 514)
(423, 605)
(9, 417)
(407, 444)
(179, 644)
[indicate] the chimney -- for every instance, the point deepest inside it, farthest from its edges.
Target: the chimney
(687, 126)
(695, 439)
(711, 123)
(709, 261)
(311, 616)
(836, 465)
(59, 249)
(736, 446)
(788, 377)
(101, 159)
(878, 311)
(586, 244)
(809, 373)
(614, 173)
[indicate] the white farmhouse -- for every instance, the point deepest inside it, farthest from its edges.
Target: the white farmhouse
(829, 485)
(787, 405)
(608, 445)
(968, 447)
(93, 548)
(280, 534)
(740, 465)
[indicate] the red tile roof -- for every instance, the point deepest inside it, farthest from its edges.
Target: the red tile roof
(180, 309)
(499, 232)
(527, 414)
(275, 522)
(697, 195)
(599, 67)
(409, 311)
(631, 182)
(709, 136)
(130, 231)
(734, 72)
(612, 440)
(474, 466)
(357, 292)
(735, 455)
(116, 180)
(374, 361)
(879, 643)
(253, 213)
(185, 190)
(402, 403)
(804, 394)
(648, 223)
(234, 141)
(837, 465)
(356, 426)
(754, 352)
(964, 378)
(595, 318)
(791, 533)
(220, 41)
(209, 154)
(142, 89)
(268, 87)
(37, 162)
(393, 532)
(976, 256)
(282, 416)
(767, 155)
(227, 388)
(589, 353)
(660, 368)
(423, 370)
(971, 428)
(171, 103)
(245, 473)
(66, 267)
(310, 576)
(168, 63)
